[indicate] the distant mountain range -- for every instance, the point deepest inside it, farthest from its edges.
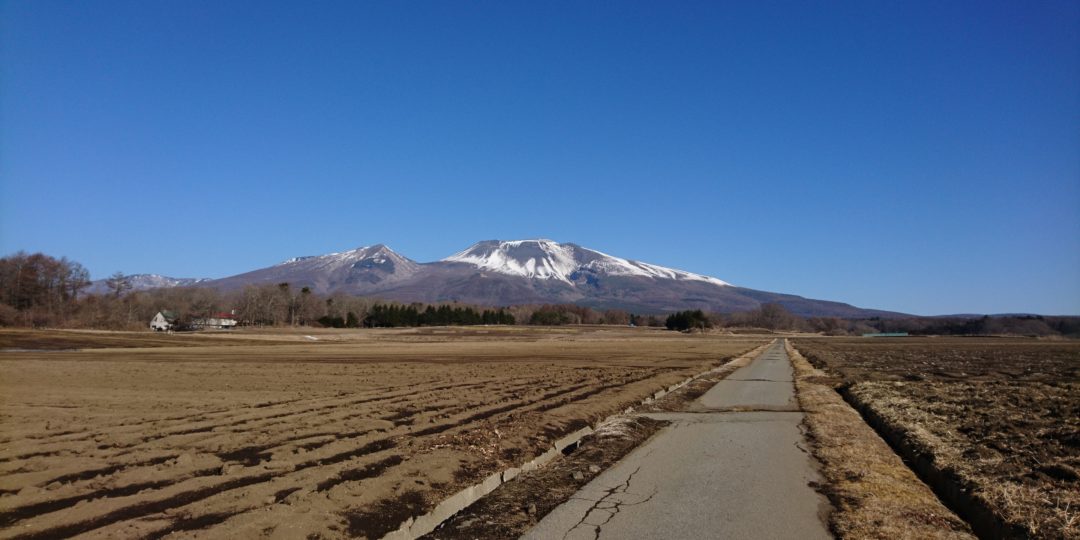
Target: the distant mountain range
(500, 273)
(144, 282)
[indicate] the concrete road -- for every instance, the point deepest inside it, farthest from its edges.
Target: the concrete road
(735, 468)
(766, 384)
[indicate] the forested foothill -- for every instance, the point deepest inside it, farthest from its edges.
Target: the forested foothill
(37, 290)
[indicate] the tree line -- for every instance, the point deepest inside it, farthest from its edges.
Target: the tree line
(774, 316)
(392, 315)
(39, 290)
(688, 320)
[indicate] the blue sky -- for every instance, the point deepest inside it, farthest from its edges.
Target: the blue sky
(915, 156)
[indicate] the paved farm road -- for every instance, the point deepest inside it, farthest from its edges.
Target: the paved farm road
(734, 468)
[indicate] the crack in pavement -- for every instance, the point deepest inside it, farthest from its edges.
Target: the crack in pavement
(736, 410)
(761, 380)
(613, 507)
(738, 435)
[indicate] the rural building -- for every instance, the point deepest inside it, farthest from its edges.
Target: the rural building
(164, 320)
(222, 321)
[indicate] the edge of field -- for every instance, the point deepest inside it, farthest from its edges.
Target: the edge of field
(873, 492)
(166, 512)
(513, 507)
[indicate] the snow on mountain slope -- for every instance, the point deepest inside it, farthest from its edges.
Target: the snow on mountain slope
(615, 266)
(363, 257)
(496, 273)
(356, 271)
(144, 282)
(538, 259)
(547, 259)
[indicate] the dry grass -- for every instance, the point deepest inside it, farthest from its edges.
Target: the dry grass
(1041, 514)
(874, 494)
(992, 423)
(928, 418)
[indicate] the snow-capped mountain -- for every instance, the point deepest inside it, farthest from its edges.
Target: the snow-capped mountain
(362, 258)
(547, 259)
(500, 273)
(143, 282)
(356, 269)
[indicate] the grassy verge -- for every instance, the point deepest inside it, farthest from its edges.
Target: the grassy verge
(991, 424)
(874, 494)
(1043, 503)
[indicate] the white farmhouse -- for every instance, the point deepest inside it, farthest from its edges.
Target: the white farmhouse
(163, 321)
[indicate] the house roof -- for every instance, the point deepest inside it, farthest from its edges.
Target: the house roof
(169, 315)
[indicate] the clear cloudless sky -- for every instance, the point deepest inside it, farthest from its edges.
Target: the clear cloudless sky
(914, 156)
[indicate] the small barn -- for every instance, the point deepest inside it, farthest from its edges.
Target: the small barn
(164, 321)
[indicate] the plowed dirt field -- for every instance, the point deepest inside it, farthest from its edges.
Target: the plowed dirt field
(996, 419)
(331, 434)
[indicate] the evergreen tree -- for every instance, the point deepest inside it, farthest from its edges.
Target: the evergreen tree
(686, 320)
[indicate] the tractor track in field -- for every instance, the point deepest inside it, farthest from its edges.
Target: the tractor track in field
(128, 462)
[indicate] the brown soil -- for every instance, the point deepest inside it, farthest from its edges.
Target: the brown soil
(516, 506)
(26, 340)
(305, 433)
(993, 424)
(946, 359)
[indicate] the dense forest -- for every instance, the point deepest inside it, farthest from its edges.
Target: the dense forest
(37, 290)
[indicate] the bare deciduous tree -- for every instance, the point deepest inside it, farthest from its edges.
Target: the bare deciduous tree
(118, 283)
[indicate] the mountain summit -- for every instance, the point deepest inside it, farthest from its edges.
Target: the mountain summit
(373, 269)
(547, 259)
(362, 258)
(506, 272)
(347, 271)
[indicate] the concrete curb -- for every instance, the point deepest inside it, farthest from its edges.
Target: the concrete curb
(661, 393)
(415, 527)
(419, 526)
